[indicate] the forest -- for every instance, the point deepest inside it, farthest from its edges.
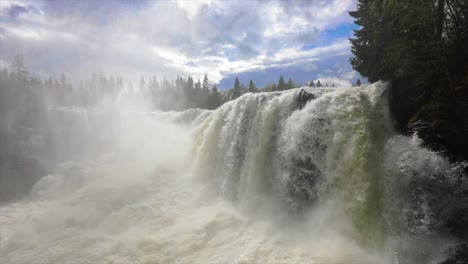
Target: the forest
(422, 48)
(167, 95)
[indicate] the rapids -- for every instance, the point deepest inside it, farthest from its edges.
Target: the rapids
(263, 179)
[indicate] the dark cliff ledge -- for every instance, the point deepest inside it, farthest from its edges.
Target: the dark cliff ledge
(440, 121)
(456, 255)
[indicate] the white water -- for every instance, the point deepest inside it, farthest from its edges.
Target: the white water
(257, 181)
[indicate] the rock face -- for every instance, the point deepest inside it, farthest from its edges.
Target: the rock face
(303, 98)
(456, 255)
(447, 137)
(19, 173)
(441, 121)
(302, 191)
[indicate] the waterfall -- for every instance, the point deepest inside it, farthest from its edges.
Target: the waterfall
(265, 147)
(73, 132)
(309, 175)
(339, 148)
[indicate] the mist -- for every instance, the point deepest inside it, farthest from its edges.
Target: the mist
(245, 182)
(227, 132)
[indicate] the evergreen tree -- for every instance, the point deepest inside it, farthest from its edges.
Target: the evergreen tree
(206, 85)
(18, 68)
(189, 92)
(215, 98)
(358, 82)
(198, 96)
(319, 84)
(205, 93)
(290, 84)
(189, 84)
(281, 84)
(252, 88)
(312, 84)
(420, 43)
(274, 87)
(236, 91)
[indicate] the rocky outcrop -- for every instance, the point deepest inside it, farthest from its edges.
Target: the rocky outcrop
(456, 255)
(440, 121)
(303, 97)
(449, 139)
(19, 173)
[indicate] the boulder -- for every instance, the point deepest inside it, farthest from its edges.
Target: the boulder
(456, 255)
(303, 97)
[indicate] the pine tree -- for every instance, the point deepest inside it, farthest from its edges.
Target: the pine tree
(252, 88)
(206, 83)
(236, 91)
(215, 98)
(189, 84)
(281, 84)
(18, 68)
(358, 82)
(205, 93)
(312, 84)
(189, 92)
(319, 84)
(290, 84)
(404, 40)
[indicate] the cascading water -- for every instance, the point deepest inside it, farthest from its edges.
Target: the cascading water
(303, 176)
(264, 145)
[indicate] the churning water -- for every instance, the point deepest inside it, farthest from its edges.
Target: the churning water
(267, 178)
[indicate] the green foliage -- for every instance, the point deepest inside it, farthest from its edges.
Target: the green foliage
(358, 82)
(290, 84)
(420, 42)
(281, 84)
(215, 99)
(179, 94)
(252, 88)
(236, 91)
(18, 68)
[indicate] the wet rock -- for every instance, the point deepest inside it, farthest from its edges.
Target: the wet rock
(304, 97)
(19, 173)
(302, 185)
(444, 137)
(440, 121)
(456, 255)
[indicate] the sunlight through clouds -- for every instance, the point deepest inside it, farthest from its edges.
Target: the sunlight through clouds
(170, 38)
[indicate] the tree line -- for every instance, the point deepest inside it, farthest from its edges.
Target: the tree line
(422, 47)
(17, 84)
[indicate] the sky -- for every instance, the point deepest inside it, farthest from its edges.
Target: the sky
(252, 40)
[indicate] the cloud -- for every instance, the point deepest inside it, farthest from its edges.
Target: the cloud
(309, 66)
(192, 7)
(218, 38)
